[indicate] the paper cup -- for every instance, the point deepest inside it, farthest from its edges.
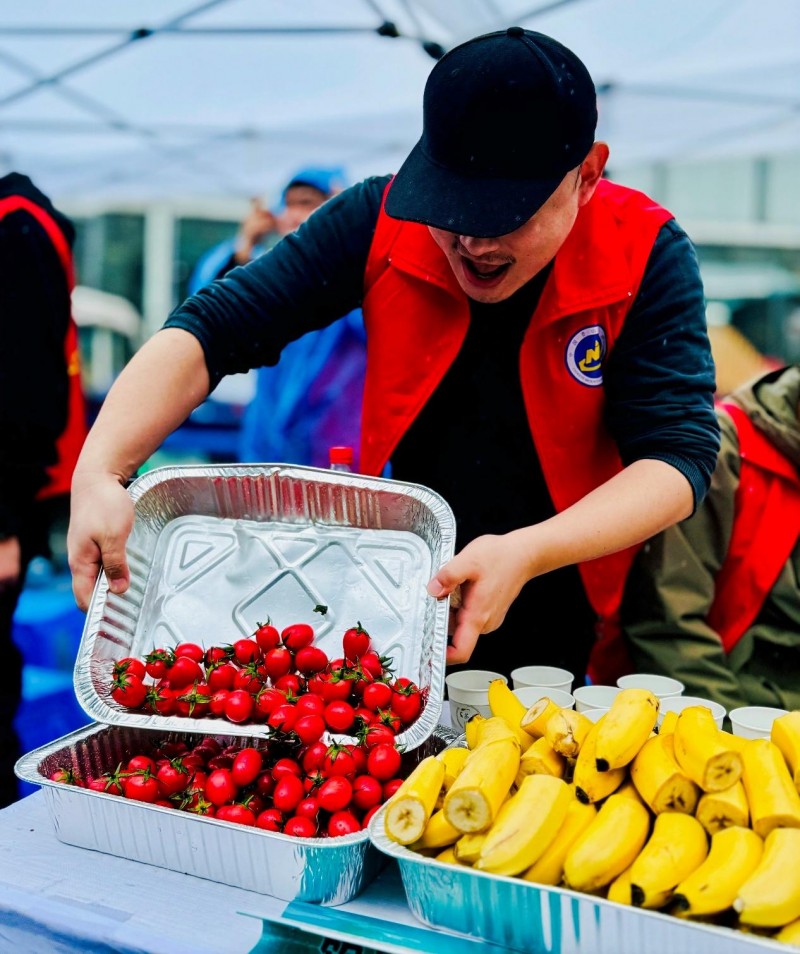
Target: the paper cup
(594, 697)
(550, 676)
(679, 703)
(594, 715)
(468, 692)
(528, 695)
(662, 686)
(754, 722)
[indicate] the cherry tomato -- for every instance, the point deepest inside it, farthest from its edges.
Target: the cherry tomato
(383, 762)
(129, 691)
(218, 701)
(390, 719)
(359, 754)
(283, 718)
(158, 662)
(310, 704)
(369, 815)
(215, 655)
(107, 784)
(334, 686)
(308, 808)
(141, 763)
(286, 766)
(246, 651)
(290, 684)
(183, 672)
(267, 637)
(247, 765)
(270, 820)
(161, 700)
(238, 706)
(268, 700)
(334, 794)
(309, 728)
(372, 663)
(220, 787)
(193, 702)
(339, 715)
(239, 814)
(367, 791)
(406, 701)
(377, 695)
(191, 651)
(297, 636)
(129, 666)
(310, 659)
(390, 787)
(141, 788)
(67, 777)
(343, 823)
(338, 761)
(288, 793)
(221, 675)
(172, 778)
(314, 756)
(378, 734)
(300, 826)
(265, 784)
(355, 642)
(277, 662)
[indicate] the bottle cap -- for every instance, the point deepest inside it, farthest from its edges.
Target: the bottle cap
(341, 455)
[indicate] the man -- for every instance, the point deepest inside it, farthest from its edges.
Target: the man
(311, 399)
(41, 411)
(537, 353)
(714, 600)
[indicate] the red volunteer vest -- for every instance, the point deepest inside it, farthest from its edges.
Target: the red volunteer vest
(765, 531)
(417, 316)
(68, 445)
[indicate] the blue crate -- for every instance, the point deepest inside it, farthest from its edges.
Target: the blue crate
(47, 624)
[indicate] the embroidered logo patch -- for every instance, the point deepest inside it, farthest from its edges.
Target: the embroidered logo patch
(585, 354)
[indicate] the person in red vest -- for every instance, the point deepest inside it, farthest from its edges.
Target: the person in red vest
(715, 600)
(536, 353)
(42, 419)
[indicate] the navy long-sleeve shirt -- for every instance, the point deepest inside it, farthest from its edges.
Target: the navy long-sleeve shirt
(471, 442)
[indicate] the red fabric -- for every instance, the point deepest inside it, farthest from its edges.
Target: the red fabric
(765, 531)
(71, 440)
(417, 317)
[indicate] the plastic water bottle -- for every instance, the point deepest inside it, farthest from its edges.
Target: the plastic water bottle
(341, 458)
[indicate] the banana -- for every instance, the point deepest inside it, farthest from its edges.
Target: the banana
(438, 833)
(773, 799)
(620, 888)
(468, 848)
(625, 728)
(676, 848)
(408, 810)
(453, 760)
(549, 867)
(481, 786)
(712, 888)
(447, 857)
(790, 934)
(505, 705)
(786, 735)
(609, 844)
(541, 759)
(472, 728)
(591, 785)
(702, 754)
(566, 730)
(535, 720)
(770, 897)
(718, 810)
(659, 780)
(735, 742)
(525, 826)
(668, 723)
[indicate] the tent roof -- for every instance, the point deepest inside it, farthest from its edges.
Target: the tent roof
(147, 98)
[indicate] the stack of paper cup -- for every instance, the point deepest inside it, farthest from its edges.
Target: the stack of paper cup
(468, 692)
(754, 722)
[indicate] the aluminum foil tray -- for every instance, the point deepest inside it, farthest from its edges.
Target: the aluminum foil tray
(320, 870)
(537, 919)
(215, 550)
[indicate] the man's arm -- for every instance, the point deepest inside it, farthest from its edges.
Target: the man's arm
(165, 380)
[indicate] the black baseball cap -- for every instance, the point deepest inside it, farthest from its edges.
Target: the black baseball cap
(505, 117)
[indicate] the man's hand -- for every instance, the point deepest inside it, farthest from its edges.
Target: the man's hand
(100, 522)
(490, 572)
(10, 563)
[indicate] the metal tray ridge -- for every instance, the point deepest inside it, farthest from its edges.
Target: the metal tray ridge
(320, 870)
(536, 919)
(216, 550)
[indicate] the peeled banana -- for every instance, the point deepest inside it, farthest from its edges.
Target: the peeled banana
(660, 780)
(591, 785)
(771, 795)
(535, 720)
(525, 826)
(702, 754)
(725, 809)
(438, 833)
(505, 705)
(676, 848)
(549, 867)
(540, 758)
(734, 855)
(453, 759)
(609, 844)
(566, 730)
(625, 728)
(408, 810)
(770, 897)
(786, 735)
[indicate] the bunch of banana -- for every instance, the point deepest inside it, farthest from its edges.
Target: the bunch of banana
(408, 810)
(773, 799)
(701, 753)
(712, 888)
(592, 785)
(786, 735)
(482, 785)
(525, 825)
(676, 848)
(660, 780)
(770, 897)
(609, 844)
(535, 720)
(625, 728)
(549, 868)
(540, 758)
(505, 705)
(725, 809)
(566, 730)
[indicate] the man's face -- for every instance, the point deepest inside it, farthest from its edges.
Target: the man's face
(299, 202)
(491, 269)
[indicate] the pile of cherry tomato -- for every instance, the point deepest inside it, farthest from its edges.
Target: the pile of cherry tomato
(298, 780)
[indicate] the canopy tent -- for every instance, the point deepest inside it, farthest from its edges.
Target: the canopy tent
(226, 97)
